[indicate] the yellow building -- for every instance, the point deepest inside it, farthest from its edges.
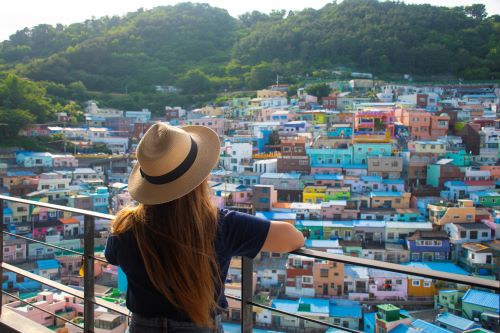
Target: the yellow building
(379, 199)
(431, 147)
(420, 287)
(444, 213)
(268, 93)
(314, 194)
(319, 117)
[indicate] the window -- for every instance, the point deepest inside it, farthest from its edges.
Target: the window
(375, 163)
(394, 163)
(390, 235)
(484, 234)
(307, 279)
(399, 282)
(473, 234)
(463, 234)
(415, 283)
(323, 272)
(468, 216)
(427, 284)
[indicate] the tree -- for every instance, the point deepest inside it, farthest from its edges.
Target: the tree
(194, 81)
(319, 90)
(13, 120)
(476, 11)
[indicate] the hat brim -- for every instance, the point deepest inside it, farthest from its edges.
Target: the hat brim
(208, 155)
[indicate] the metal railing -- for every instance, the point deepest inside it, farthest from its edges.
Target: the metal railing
(246, 298)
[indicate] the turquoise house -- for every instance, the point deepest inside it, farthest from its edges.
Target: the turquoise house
(340, 131)
(329, 156)
(100, 200)
(30, 159)
(460, 158)
(361, 151)
(486, 198)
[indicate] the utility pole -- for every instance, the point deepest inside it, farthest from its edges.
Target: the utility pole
(64, 136)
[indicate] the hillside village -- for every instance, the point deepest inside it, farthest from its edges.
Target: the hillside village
(409, 175)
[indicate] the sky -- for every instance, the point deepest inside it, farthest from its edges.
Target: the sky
(17, 14)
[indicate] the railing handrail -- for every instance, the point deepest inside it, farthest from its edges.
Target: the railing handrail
(89, 300)
(350, 260)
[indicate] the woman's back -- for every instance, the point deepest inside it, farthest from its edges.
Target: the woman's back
(237, 234)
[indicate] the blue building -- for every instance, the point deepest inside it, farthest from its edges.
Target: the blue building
(361, 151)
(29, 159)
(329, 156)
(428, 246)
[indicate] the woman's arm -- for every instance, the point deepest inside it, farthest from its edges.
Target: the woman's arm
(282, 237)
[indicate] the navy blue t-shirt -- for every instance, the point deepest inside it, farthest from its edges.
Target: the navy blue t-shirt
(238, 234)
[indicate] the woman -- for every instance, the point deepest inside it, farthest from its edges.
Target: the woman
(175, 246)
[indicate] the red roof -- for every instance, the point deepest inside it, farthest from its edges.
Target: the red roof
(69, 220)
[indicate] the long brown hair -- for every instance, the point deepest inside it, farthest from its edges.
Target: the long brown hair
(176, 241)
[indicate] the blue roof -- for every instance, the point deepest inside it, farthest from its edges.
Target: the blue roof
(428, 327)
(482, 298)
(345, 308)
(393, 181)
(236, 328)
(447, 267)
(326, 243)
(371, 178)
(47, 264)
(403, 328)
(318, 305)
(285, 305)
(455, 183)
(280, 175)
(384, 194)
(276, 215)
(320, 176)
(454, 321)
(20, 173)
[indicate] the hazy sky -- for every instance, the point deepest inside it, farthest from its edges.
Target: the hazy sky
(17, 14)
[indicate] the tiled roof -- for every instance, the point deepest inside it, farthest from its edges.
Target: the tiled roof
(425, 327)
(482, 298)
(454, 321)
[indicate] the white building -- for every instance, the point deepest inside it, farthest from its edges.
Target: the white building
(263, 166)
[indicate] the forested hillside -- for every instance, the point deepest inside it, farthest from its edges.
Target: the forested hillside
(202, 49)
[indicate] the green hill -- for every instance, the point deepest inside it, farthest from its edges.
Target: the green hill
(203, 49)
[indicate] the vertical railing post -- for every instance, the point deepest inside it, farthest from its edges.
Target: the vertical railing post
(88, 276)
(1, 254)
(246, 295)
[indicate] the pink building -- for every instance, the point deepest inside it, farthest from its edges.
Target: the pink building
(14, 250)
(217, 124)
(47, 228)
(35, 130)
(423, 125)
(493, 169)
(387, 285)
(326, 170)
(265, 115)
(65, 161)
(336, 210)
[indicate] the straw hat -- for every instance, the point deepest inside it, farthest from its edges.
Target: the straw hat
(171, 162)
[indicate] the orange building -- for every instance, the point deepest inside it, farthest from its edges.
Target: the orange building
(328, 278)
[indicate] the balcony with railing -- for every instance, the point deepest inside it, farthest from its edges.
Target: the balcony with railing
(81, 308)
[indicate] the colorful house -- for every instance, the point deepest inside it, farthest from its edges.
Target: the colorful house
(449, 301)
(34, 159)
(482, 306)
(428, 246)
(425, 287)
(362, 151)
(442, 213)
(485, 198)
(387, 285)
(314, 194)
(455, 323)
(477, 258)
(379, 199)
